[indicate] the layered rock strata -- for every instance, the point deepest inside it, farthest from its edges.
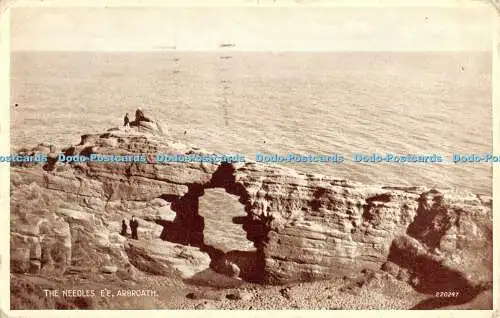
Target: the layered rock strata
(304, 227)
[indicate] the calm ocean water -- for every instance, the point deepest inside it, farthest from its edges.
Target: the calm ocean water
(407, 103)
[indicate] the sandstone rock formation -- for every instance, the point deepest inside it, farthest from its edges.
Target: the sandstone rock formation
(303, 226)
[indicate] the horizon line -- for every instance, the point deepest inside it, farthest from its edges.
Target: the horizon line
(248, 51)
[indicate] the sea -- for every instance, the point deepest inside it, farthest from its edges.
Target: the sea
(417, 103)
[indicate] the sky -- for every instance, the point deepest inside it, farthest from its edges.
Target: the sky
(253, 28)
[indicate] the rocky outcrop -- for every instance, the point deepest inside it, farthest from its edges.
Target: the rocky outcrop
(318, 226)
(303, 226)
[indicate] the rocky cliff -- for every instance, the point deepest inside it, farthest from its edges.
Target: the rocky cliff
(66, 218)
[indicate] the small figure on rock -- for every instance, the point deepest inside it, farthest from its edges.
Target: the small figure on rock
(145, 124)
(139, 116)
(124, 228)
(52, 158)
(126, 120)
(133, 227)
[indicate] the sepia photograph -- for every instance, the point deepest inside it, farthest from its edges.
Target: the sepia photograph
(261, 156)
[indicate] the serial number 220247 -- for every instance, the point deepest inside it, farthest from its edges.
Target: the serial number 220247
(447, 294)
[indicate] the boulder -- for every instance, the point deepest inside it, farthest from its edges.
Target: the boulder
(164, 258)
(390, 268)
(109, 269)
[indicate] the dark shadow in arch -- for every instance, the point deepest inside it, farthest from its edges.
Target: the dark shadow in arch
(188, 226)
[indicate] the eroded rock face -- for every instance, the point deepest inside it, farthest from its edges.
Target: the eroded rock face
(319, 226)
(304, 227)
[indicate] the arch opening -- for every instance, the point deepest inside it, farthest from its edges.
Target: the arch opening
(214, 218)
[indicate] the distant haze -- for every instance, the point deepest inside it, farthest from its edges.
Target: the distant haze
(253, 28)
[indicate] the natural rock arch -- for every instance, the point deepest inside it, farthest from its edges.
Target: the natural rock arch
(188, 226)
(304, 226)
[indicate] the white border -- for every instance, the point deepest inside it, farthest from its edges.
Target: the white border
(5, 148)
